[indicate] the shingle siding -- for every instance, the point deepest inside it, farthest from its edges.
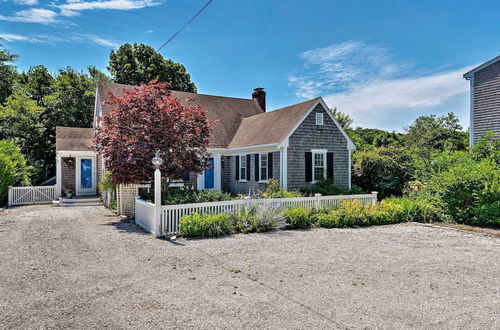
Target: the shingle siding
(252, 187)
(311, 136)
(486, 94)
(68, 174)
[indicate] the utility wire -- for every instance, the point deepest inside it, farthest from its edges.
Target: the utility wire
(184, 26)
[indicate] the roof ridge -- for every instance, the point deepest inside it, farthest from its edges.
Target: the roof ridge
(285, 108)
(173, 90)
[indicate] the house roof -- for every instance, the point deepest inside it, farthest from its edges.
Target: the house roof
(270, 127)
(482, 66)
(239, 122)
(228, 112)
(74, 138)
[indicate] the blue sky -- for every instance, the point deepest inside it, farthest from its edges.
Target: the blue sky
(383, 62)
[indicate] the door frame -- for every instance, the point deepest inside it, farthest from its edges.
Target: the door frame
(78, 176)
(200, 182)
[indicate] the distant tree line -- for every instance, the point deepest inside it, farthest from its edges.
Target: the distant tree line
(35, 101)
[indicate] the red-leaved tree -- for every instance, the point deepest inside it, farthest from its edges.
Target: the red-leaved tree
(146, 119)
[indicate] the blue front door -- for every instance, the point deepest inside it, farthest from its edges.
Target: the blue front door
(209, 175)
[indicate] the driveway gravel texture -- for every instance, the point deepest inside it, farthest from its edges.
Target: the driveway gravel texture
(81, 267)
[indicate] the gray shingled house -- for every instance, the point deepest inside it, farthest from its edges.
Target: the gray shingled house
(296, 145)
(484, 99)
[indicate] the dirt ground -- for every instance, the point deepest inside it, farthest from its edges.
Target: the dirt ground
(82, 267)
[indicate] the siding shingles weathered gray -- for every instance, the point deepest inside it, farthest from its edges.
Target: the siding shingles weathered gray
(68, 174)
(250, 187)
(311, 136)
(486, 94)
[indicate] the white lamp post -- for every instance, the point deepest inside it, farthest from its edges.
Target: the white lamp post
(157, 162)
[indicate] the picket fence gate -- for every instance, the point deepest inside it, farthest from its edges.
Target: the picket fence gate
(31, 195)
(164, 220)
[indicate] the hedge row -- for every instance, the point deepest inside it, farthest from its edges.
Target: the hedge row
(348, 214)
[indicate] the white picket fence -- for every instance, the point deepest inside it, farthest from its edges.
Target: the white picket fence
(170, 215)
(31, 195)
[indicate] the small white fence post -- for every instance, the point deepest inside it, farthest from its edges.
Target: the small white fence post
(375, 194)
(318, 200)
(157, 222)
(9, 203)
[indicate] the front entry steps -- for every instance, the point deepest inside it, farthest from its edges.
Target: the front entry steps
(79, 201)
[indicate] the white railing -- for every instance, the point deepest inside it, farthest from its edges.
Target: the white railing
(145, 215)
(31, 195)
(170, 215)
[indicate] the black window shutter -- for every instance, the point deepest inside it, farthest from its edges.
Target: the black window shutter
(270, 165)
(237, 160)
(257, 167)
(329, 165)
(248, 167)
(185, 175)
(308, 166)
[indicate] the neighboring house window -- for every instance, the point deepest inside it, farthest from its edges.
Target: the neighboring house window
(243, 167)
(319, 165)
(263, 167)
(319, 119)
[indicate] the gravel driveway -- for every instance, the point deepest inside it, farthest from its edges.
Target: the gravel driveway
(83, 268)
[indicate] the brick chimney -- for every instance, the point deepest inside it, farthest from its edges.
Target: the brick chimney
(260, 96)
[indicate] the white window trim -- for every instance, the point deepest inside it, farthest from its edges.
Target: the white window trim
(244, 156)
(320, 121)
(321, 152)
(260, 167)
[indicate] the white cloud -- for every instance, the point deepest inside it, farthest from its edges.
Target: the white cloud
(34, 15)
(103, 42)
(366, 82)
(73, 7)
(17, 37)
(79, 38)
(22, 2)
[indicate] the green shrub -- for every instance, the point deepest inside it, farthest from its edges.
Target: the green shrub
(206, 225)
(297, 218)
(257, 218)
(274, 190)
(112, 205)
(468, 192)
(412, 209)
(106, 184)
(13, 168)
(188, 196)
(326, 187)
(389, 211)
(386, 170)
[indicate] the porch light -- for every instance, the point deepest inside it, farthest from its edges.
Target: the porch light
(157, 160)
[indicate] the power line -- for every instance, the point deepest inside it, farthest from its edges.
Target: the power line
(184, 26)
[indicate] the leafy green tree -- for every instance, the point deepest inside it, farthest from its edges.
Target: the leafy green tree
(343, 118)
(37, 83)
(97, 75)
(21, 120)
(386, 170)
(371, 138)
(139, 63)
(430, 133)
(7, 73)
(13, 168)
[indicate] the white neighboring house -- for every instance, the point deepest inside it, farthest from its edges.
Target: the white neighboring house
(296, 145)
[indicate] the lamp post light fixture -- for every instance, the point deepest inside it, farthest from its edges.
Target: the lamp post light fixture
(157, 160)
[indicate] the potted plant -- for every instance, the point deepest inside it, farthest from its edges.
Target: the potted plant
(69, 192)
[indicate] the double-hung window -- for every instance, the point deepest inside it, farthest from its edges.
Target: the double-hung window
(319, 119)
(263, 167)
(243, 168)
(319, 164)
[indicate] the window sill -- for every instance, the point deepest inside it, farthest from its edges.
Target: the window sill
(262, 181)
(242, 180)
